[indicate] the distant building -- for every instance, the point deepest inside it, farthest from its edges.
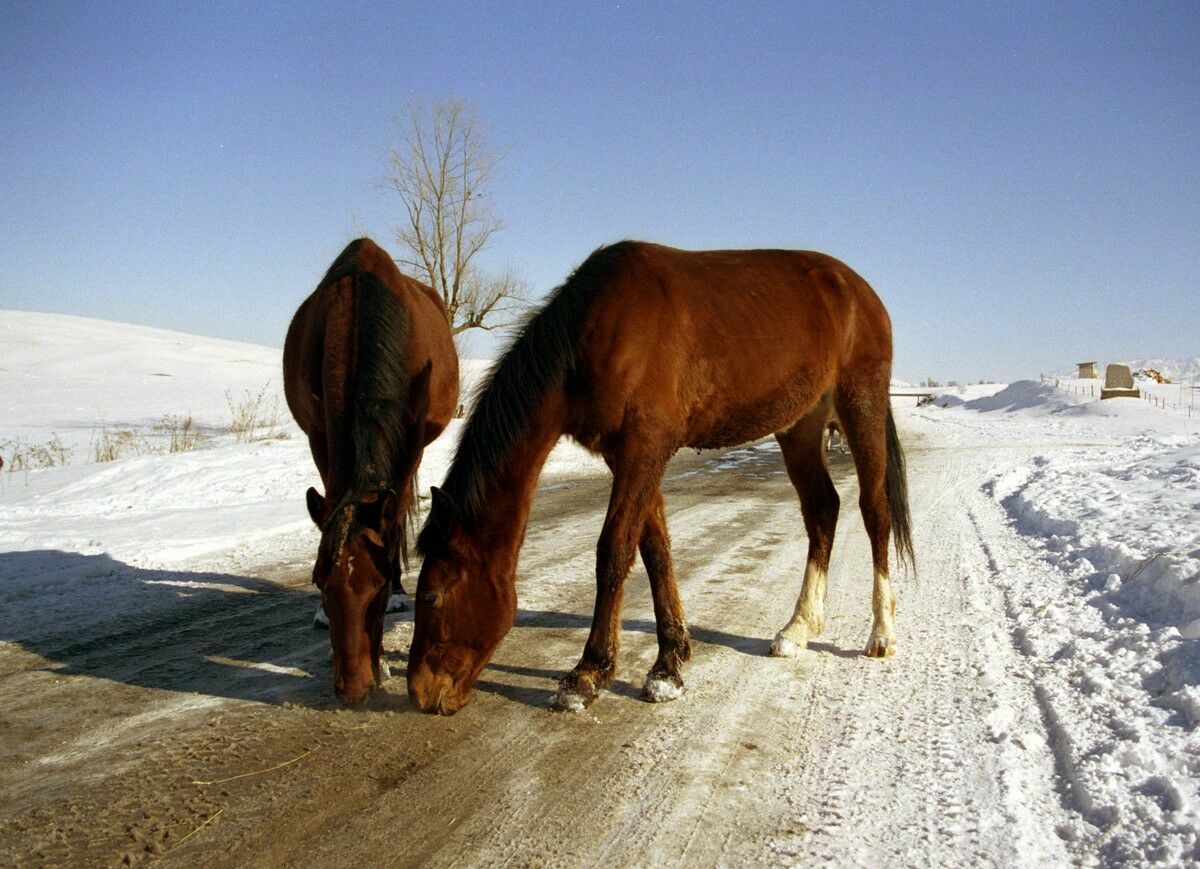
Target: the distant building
(1088, 371)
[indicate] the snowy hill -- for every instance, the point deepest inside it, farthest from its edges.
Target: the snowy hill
(1176, 370)
(69, 385)
(72, 375)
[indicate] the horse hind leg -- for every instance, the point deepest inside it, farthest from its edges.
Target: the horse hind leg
(804, 457)
(865, 421)
(665, 679)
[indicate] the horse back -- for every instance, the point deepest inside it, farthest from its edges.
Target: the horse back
(712, 348)
(320, 353)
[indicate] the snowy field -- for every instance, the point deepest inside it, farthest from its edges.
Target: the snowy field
(74, 383)
(1088, 514)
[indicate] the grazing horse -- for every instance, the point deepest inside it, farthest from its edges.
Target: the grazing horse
(646, 349)
(371, 375)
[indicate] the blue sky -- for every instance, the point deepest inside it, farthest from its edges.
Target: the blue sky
(1019, 182)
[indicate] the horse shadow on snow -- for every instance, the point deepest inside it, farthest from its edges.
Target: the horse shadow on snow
(219, 634)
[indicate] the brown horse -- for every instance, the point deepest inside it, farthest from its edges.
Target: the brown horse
(646, 349)
(371, 376)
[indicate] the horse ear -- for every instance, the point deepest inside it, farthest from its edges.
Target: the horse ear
(379, 510)
(318, 507)
(442, 512)
(418, 396)
(383, 510)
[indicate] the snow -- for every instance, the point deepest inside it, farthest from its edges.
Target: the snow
(1088, 513)
(1096, 544)
(72, 377)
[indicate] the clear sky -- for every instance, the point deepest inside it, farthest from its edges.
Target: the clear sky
(1019, 182)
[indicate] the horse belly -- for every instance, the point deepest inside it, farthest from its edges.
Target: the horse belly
(749, 421)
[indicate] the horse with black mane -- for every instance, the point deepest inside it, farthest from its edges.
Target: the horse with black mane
(371, 375)
(646, 349)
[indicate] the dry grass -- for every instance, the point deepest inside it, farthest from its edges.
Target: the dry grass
(254, 416)
(181, 432)
(110, 444)
(19, 455)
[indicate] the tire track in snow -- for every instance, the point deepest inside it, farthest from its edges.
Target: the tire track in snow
(902, 766)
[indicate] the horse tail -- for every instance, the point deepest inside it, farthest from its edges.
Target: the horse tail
(896, 487)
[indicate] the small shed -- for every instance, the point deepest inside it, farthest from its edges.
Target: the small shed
(1088, 371)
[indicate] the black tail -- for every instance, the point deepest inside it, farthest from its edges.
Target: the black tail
(896, 486)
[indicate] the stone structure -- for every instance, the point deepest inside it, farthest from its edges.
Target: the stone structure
(1118, 383)
(1088, 371)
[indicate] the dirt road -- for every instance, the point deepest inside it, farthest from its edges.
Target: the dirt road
(188, 717)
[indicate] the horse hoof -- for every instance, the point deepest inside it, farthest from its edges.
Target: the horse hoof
(397, 604)
(568, 701)
(782, 647)
(385, 672)
(320, 620)
(660, 689)
(880, 647)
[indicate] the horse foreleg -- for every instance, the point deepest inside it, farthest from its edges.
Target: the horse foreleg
(665, 679)
(635, 482)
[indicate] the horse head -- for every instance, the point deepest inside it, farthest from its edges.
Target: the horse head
(465, 607)
(353, 570)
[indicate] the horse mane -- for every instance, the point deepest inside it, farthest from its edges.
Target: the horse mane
(538, 360)
(380, 389)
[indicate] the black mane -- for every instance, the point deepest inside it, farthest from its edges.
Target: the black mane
(380, 389)
(538, 360)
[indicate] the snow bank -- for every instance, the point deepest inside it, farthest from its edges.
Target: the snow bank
(1126, 522)
(1105, 496)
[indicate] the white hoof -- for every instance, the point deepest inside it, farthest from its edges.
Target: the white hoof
(385, 672)
(783, 647)
(568, 701)
(397, 604)
(320, 620)
(661, 691)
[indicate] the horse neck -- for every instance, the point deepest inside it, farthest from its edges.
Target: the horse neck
(499, 529)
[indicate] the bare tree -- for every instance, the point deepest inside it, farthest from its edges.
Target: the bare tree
(441, 168)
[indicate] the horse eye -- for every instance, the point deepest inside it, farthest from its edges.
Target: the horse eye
(430, 598)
